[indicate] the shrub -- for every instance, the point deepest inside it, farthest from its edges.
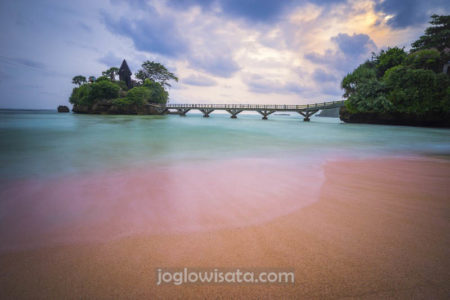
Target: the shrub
(104, 89)
(138, 95)
(157, 92)
(81, 95)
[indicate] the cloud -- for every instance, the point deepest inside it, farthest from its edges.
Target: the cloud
(259, 84)
(199, 81)
(259, 11)
(20, 61)
(111, 60)
(152, 33)
(219, 65)
(252, 10)
(351, 51)
(176, 37)
(320, 75)
(404, 13)
(354, 45)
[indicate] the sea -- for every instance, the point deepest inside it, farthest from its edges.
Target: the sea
(68, 177)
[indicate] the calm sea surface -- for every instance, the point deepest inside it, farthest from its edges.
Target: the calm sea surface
(45, 143)
(67, 178)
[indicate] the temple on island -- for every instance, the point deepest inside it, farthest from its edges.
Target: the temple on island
(125, 74)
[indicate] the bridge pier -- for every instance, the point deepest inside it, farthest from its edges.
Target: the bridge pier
(234, 112)
(206, 112)
(307, 114)
(183, 111)
(265, 113)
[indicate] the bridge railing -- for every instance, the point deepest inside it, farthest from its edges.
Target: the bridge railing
(257, 106)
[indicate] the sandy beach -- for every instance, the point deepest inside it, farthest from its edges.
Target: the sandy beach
(380, 229)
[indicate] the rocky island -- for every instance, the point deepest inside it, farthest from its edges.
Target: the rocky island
(400, 88)
(106, 95)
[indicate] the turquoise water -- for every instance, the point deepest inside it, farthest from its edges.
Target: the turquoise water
(45, 143)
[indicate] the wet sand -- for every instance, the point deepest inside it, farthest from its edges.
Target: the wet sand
(380, 229)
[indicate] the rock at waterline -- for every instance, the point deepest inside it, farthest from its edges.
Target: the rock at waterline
(63, 109)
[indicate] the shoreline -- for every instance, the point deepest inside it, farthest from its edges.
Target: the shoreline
(380, 229)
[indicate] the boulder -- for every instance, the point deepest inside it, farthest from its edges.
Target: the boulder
(63, 109)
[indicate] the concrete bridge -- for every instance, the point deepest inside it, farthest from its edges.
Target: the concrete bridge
(306, 110)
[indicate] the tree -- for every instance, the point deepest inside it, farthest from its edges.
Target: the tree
(79, 79)
(155, 72)
(428, 59)
(416, 90)
(387, 59)
(361, 74)
(157, 93)
(81, 95)
(436, 36)
(111, 73)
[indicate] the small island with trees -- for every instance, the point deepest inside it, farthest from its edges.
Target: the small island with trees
(106, 95)
(401, 88)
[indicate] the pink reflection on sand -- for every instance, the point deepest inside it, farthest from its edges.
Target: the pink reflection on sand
(191, 197)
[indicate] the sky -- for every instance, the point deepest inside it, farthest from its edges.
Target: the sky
(223, 51)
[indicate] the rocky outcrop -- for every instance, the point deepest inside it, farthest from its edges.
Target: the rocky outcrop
(433, 119)
(63, 109)
(108, 108)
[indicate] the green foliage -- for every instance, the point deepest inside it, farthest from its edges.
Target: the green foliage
(370, 96)
(104, 89)
(79, 79)
(388, 59)
(154, 77)
(412, 90)
(436, 36)
(361, 74)
(81, 95)
(155, 72)
(138, 95)
(157, 93)
(103, 78)
(122, 85)
(149, 92)
(111, 73)
(428, 59)
(395, 82)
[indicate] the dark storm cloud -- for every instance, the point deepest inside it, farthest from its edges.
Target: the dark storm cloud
(411, 12)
